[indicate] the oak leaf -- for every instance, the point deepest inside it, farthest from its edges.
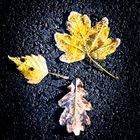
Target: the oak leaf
(34, 68)
(86, 41)
(74, 116)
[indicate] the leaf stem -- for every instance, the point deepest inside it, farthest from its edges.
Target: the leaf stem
(64, 77)
(116, 77)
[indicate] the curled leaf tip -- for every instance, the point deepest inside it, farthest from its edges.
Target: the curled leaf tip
(105, 19)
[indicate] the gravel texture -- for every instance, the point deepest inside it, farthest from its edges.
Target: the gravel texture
(31, 112)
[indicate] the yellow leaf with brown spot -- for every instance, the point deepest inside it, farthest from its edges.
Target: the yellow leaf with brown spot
(34, 68)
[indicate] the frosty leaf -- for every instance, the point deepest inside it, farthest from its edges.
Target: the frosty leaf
(74, 116)
(86, 41)
(34, 68)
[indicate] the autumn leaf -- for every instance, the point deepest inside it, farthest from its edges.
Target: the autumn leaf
(86, 41)
(74, 116)
(34, 68)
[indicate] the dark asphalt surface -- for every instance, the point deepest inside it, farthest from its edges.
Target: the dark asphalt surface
(31, 112)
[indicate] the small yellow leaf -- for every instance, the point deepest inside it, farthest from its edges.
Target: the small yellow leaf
(86, 41)
(34, 68)
(74, 115)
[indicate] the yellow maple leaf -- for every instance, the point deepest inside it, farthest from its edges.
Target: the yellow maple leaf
(34, 68)
(85, 40)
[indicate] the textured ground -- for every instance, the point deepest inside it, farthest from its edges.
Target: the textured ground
(31, 112)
